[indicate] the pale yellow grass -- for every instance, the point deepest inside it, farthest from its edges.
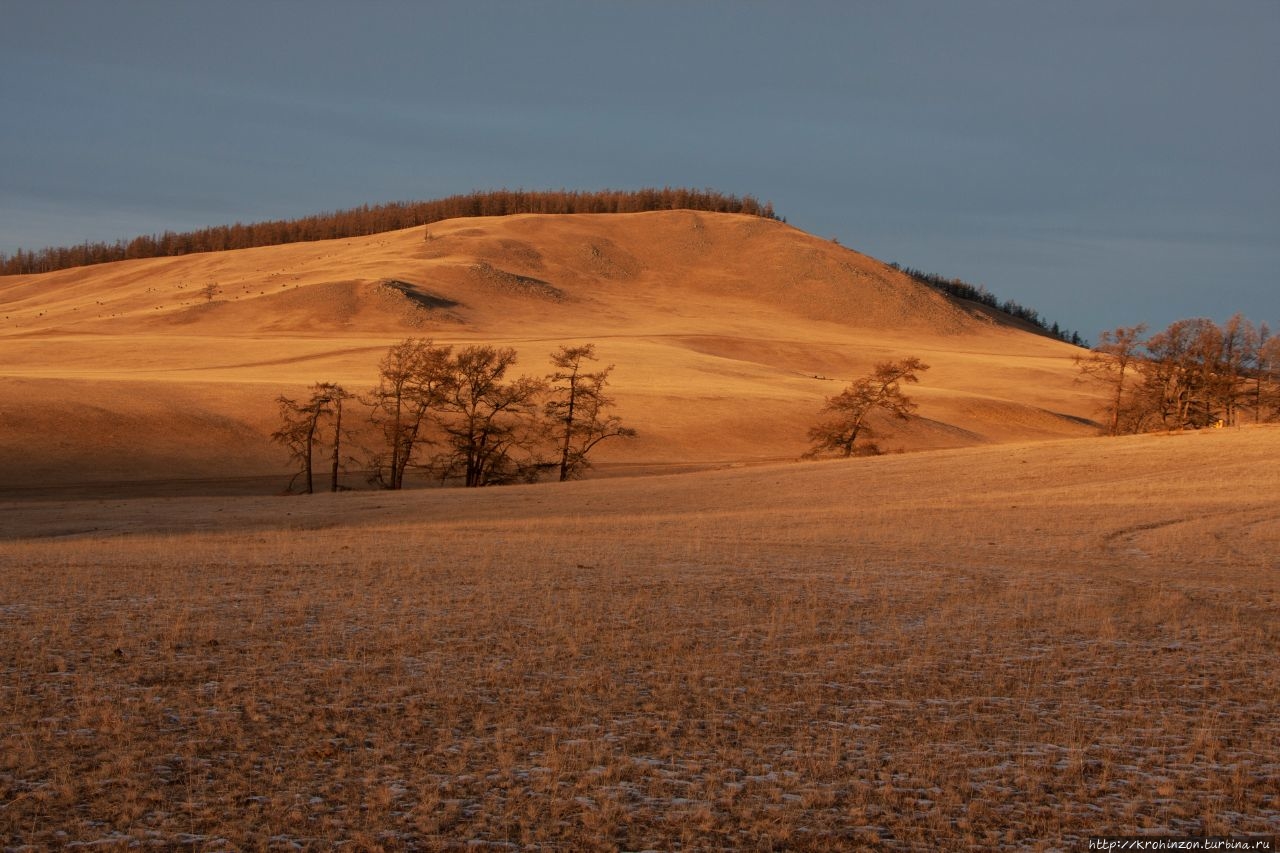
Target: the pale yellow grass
(727, 332)
(1009, 647)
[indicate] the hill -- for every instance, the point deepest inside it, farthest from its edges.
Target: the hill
(727, 331)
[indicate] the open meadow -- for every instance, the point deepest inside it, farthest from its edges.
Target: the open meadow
(1011, 646)
(682, 427)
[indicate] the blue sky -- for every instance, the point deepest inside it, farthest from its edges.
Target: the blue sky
(1106, 163)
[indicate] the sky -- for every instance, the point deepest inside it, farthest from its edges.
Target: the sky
(1106, 162)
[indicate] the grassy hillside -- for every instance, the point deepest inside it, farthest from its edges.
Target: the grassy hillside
(727, 332)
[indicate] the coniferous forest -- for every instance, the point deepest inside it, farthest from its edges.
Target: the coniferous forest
(977, 293)
(374, 219)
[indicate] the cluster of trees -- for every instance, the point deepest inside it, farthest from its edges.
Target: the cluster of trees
(1194, 374)
(845, 428)
(977, 293)
(457, 416)
(364, 220)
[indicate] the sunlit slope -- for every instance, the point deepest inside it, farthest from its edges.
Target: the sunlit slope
(727, 332)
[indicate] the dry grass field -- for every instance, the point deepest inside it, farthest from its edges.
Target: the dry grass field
(1008, 647)
(1019, 637)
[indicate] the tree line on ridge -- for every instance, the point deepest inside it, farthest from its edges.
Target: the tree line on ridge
(977, 293)
(375, 219)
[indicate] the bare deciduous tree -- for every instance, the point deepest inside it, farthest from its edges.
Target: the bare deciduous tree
(848, 412)
(1113, 363)
(1168, 379)
(576, 409)
(412, 379)
(1191, 378)
(1237, 349)
(1266, 367)
(337, 395)
(300, 430)
(489, 423)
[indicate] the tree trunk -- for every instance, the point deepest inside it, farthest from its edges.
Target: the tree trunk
(311, 437)
(568, 427)
(337, 443)
(395, 448)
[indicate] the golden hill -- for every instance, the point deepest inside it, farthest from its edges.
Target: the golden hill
(727, 332)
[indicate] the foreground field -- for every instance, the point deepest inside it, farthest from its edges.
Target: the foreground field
(1011, 647)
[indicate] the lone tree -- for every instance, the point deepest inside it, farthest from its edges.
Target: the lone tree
(412, 381)
(847, 414)
(300, 430)
(576, 408)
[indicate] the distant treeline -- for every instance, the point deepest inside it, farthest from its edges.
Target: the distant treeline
(978, 293)
(375, 219)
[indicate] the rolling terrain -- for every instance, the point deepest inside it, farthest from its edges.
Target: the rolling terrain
(1019, 637)
(1011, 647)
(728, 331)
